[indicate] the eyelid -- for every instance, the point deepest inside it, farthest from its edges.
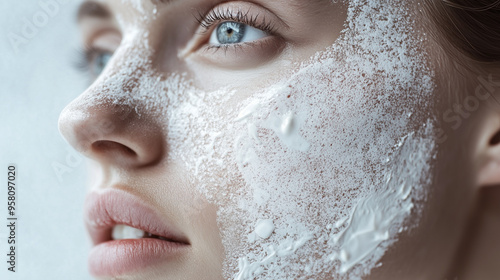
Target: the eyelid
(108, 40)
(105, 39)
(91, 28)
(245, 11)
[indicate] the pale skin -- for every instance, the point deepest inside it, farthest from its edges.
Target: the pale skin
(438, 248)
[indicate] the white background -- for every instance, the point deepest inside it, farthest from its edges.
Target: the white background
(36, 82)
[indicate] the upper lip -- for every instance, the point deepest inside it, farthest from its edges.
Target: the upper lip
(106, 209)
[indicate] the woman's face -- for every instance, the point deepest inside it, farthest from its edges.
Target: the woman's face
(255, 139)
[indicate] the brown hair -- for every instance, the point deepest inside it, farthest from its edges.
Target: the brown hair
(472, 27)
(468, 33)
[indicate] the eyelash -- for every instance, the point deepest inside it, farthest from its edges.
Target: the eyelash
(85, 56)
(216, 16)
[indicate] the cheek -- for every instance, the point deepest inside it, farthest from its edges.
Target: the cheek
(333, 160)
(310, 165)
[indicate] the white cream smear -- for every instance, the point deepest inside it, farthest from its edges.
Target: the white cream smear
(316, 176)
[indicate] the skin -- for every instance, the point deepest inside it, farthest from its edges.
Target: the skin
(428, 252)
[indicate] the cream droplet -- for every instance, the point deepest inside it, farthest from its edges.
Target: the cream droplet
(264, 228)
(287, 124)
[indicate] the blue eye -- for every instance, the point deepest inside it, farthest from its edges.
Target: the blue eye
(231, 32)
(99, 62)
(92, 61)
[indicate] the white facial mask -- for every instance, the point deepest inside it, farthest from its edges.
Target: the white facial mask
(315, 176)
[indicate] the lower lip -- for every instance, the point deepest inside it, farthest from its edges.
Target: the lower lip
(117, 257)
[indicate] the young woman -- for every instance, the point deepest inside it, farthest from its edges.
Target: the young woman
(290, 139)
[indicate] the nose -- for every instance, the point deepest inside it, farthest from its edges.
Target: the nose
(111, 132)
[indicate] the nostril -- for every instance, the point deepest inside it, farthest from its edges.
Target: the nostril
(111, 147)
(495, 139)
(112, 134)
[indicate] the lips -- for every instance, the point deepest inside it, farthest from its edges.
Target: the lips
(113, 209)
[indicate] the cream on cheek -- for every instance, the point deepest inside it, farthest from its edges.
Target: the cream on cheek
(327, 161)
(315, 176)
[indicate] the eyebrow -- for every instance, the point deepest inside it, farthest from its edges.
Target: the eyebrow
(92, 9)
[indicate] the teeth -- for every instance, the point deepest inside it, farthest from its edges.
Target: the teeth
(125, 232)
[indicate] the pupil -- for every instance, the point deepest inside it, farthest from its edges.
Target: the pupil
(230, 32)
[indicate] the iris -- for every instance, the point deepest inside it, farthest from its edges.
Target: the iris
(231, 32)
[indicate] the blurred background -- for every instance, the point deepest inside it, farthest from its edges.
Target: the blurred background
(38, 50)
